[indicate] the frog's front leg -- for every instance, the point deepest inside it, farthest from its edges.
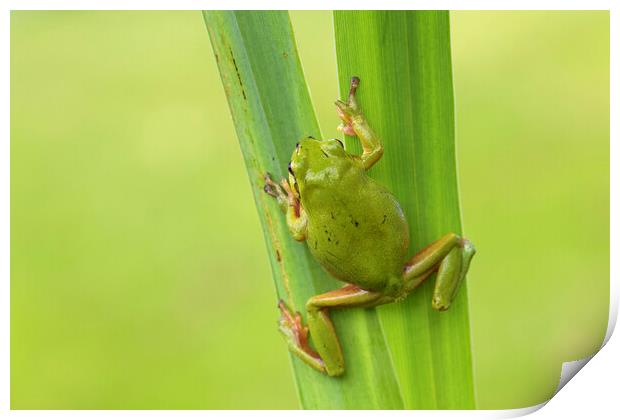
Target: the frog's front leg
(354, 123)
(296, 217)
(449, 257)
(328, 356)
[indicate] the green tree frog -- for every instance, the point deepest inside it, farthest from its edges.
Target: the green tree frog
(357, 231)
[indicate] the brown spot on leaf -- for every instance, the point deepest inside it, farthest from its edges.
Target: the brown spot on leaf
(237, 71)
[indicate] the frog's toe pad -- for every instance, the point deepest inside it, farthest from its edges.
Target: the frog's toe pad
(269, 189)
(288, 324)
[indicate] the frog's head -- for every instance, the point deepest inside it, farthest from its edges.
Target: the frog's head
(316, 160)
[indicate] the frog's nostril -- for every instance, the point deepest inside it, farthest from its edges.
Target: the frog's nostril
(297, 145)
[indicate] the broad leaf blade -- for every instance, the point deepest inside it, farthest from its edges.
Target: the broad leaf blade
(403, 60)
(271, 108)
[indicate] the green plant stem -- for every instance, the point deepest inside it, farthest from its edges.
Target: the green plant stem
(404, 62)
(271, 109)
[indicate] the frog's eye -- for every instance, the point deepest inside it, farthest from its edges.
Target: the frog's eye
(341, 144)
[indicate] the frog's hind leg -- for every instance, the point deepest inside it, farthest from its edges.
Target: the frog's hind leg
(328, 357)
(321, 327)
(449, 257)
(297, 337)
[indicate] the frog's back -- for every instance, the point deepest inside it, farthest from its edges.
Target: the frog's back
(358, 232)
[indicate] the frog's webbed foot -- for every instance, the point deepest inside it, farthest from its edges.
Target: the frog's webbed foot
(271, 187)
(281, 192)
(296, 335)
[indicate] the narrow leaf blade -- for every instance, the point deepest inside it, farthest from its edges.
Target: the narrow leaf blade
(403, 60)
(271, 109)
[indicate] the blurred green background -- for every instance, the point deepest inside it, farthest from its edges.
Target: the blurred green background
(139, 277)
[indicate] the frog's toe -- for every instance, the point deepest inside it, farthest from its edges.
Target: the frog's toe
(289, 333)
(268, 178)
(345, 110)
(342, 106)
(269, 190)
(271, 187)
(291, 326)
(346, 129)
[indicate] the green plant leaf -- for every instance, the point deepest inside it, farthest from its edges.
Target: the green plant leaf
(404, 62)
(271, 109)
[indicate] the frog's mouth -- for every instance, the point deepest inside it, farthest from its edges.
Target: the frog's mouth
(292, 178)
(290, 171)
